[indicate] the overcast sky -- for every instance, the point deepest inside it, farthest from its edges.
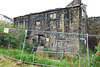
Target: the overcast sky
(14, 8)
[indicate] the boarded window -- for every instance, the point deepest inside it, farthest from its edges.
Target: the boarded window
(47, 39)
(53, 15)
(83, 14)
(38, 23)
(25, 24)
(62, 23)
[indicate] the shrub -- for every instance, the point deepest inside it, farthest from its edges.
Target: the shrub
(96, 57)
(14, 38)
(29, 47)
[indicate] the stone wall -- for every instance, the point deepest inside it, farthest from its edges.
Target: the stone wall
(71, 19)
(67, 19)
(94, 29)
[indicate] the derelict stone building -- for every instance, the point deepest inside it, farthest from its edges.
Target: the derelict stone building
(68, 19)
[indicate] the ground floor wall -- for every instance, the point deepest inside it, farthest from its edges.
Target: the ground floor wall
(57, 41)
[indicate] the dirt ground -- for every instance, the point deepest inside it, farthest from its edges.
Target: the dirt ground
(5, 62)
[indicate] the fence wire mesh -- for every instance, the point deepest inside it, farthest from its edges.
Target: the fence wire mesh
(59, 59)
(55, 47)
(46, 48)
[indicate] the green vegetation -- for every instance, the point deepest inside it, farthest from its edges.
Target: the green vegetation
(12, 39)
(11, 45)
(69, 61)
(15, 53)
(96, 56)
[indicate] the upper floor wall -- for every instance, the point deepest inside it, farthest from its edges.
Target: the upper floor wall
(61, 20)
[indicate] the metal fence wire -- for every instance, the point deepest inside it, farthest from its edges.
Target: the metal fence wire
(61, 59)
(47, 48)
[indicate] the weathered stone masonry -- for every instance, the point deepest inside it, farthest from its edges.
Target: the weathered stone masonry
(94, 29)
(67, 19)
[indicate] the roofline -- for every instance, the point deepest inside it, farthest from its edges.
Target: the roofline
(94, 17)
(68, 7)
(6, 16)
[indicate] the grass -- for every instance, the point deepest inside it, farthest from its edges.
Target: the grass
(5, 62)
(15, 53)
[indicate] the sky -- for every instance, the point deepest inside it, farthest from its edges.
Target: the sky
(15, 8)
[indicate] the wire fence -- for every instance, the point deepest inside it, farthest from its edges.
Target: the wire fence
(67, 57)
(56, 43)
(46, 48)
